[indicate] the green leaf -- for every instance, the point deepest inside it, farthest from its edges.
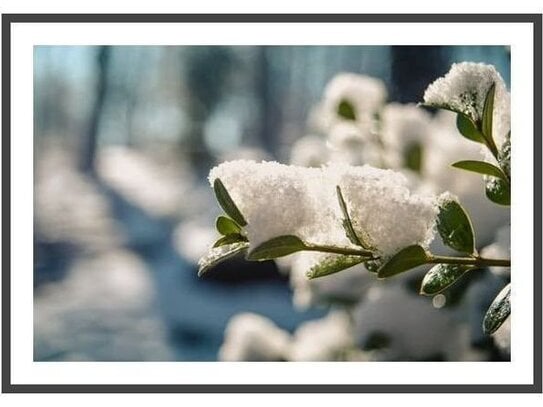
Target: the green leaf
(504, 156)
(229, 239)
(333, 264)
(217, 255)
(362, 241)
(346, 110)
(442, 276)
(405, 259)
(498, 191)
(468, 128)
(454, 227)
(277, 247)
(480, 167)
(488, 112)
(227, 204)
(498, 311)
(226, 226)
(413, 157)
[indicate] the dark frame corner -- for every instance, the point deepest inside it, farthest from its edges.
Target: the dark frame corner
(8, 19)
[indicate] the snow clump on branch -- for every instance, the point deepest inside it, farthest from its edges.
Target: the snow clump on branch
(464, 88)
(278, 200)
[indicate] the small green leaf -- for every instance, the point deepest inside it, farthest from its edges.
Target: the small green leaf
(413, 157)
(441, 276)
(226, 226)
(346, 110)
(217, 255)
(468, 128)
(277, 247)
(488, 112)
(332, 264)
(480, 167)
(362, 241)
(454, 227)
(498, 311)
(229, 239)
(405, 259)
(498, 191)
(227, 204)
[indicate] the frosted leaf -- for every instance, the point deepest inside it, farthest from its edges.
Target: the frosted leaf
(464, 89)
(252, 337)
(382, 206)
(346, 287)
(446, 147)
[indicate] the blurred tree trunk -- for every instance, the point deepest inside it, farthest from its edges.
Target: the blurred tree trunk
(413, 69)
(208, 69)
(270, 114)
(89, 143)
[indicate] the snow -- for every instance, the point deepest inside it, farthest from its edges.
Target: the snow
(325, 339)
(271, 196)
(193, 239)
(277, 200)
(352, 144)
(464, 89)
(309, 151)
(416, 329)
(382, 206)
(103, 310)
(158, 183)
(69, 207)
(252, 337)
(403, 126)
(364, 93)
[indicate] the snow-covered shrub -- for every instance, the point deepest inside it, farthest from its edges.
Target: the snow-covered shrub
(365, 198)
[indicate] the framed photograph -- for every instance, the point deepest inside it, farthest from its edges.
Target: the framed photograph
(279, 203)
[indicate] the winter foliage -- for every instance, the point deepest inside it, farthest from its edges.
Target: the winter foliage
(370, 194)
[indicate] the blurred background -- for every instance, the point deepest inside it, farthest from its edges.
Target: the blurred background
(124, 138)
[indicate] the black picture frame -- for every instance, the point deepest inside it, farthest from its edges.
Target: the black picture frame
(9, 19)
